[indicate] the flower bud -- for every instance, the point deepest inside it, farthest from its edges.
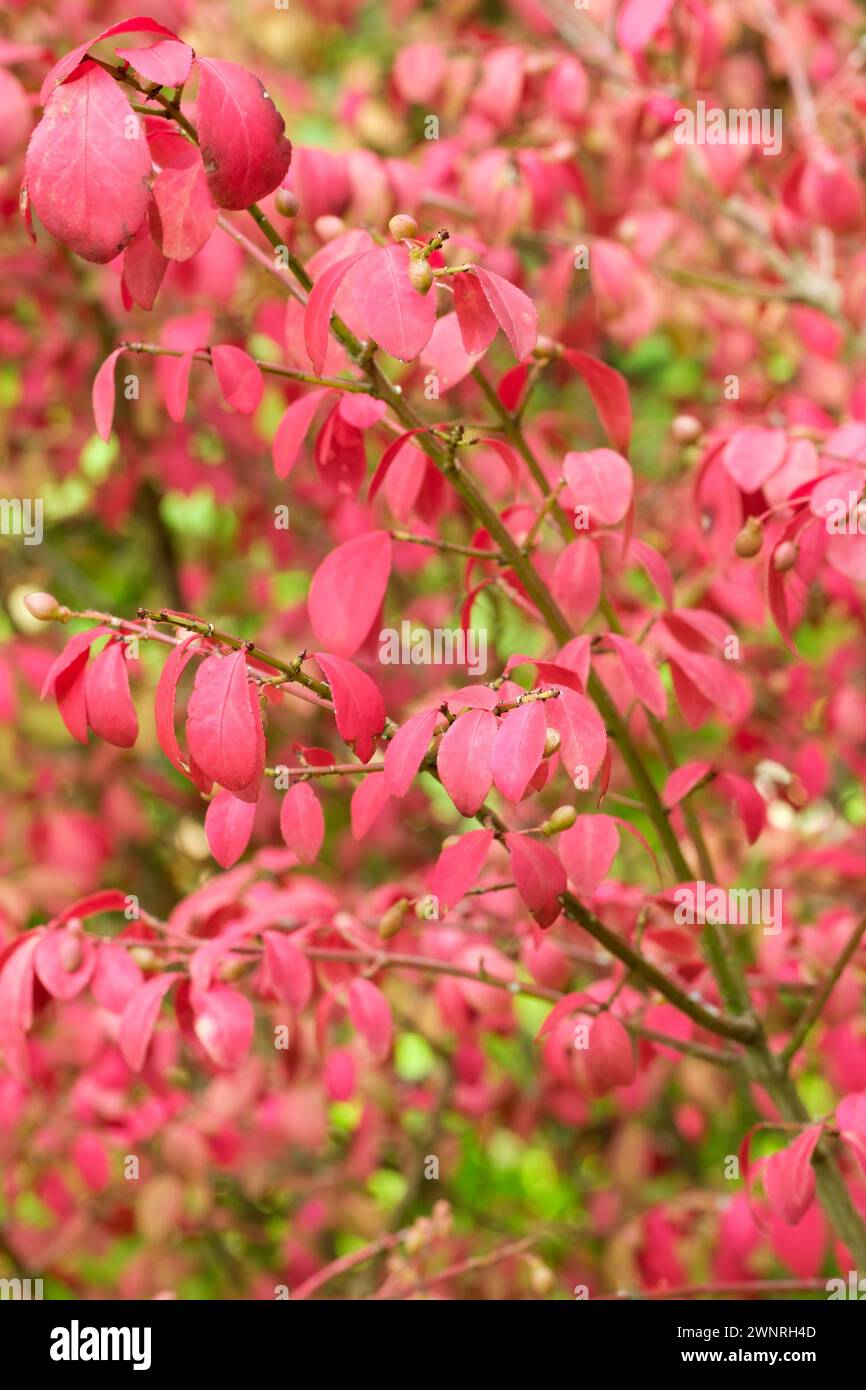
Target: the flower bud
(391, 921)
(686, 429)
(403, 227)
(44, 607)
(420, 276)
(541, 1277)
(287, 202)
(750, 539)
(328, 227)
(785, 556)
(551, 743)
(563, 818)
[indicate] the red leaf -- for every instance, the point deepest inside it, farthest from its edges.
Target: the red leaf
(587, 850)
(514, 311)
(221, 722)
(223, 1024)
(539, 876)
(166, 694)
(642, 674)
(457, 868)
(116, 977)
(445, 354)
(167, 63)
(478, 323)
(789, 1178)
(177, 389)
(518, 749)
(302, 824)
(464, 759)
(749, 802)
(684, 780)
(110, 711)
(16, 999)
(183, 213)
(103, 900)
(103, 395)
(144, 267)
(610, 1057)
(289, 971)
(228, 826)
(88, 182)
(320, 306)
(339, 1074)
(245, 152)
(752, 454)
(66, 681)
(139, 1019)
(347, 590)
(140, 24)
(370, 1013)
(341, 459)
(358, 704)
(394, 314)
(292, 430)
(609, 393)
(368, 799)
(240, 378)
(601, 481)
(406, 750)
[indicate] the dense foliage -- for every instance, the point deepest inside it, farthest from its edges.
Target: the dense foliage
(436, 438)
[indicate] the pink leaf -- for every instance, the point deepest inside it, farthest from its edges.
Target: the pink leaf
(370, 1013)
(587, 850)
(539, 876)
(139, 1019)
(639, 20)
(464, 759)
(749, 802)
(339, 1074)
(683, 780)
(368, 799)
(88, 182)
(609, 393)
(393, 313)
(177, 389)
(582, 733)
(292, 431)
(64, 962)
(514, 311)
(221, 724)
(406, 751)
(390, 455)
(240, 378)
(167, 63)
(518, 749)
(576, 581)
(183, 213)
(289, 970)
(347, 590)
(141, 24)
(642, 674)
(358, 705)
(610, 1058)
(752, 454)
(302, 824)
(228, 826)
(223, 1024)
(458, 867)
(789, 1178)
(110, 711)
(445, 354)
(601, 481)
(478, 323)
(320, 306)
(16, 999)
(115, 978)
(245, 152)
(103, 395)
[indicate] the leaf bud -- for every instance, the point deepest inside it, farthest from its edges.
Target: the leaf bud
(44, 607)
(391, 921)
(420, 276)
(563, 818)
(287, 202)
(403, 227)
